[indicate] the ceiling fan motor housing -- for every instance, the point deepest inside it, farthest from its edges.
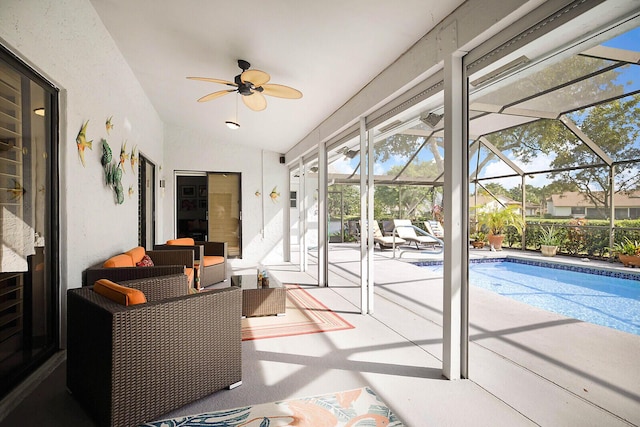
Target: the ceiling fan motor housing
(245, 88)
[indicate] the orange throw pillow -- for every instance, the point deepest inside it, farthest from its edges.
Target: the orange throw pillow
(118, 293)
(122, 260)
(136, 254)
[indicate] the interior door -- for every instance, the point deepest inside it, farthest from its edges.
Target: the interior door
(225, 211)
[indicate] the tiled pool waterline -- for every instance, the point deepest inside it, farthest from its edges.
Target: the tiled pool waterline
(603, 297)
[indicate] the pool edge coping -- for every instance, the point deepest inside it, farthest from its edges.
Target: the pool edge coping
(559, 265)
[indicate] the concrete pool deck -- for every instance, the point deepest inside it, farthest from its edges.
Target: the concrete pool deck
(552, 369)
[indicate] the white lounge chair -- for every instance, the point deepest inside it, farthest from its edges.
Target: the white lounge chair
(407, 231)
(385, 242)
(434, 228)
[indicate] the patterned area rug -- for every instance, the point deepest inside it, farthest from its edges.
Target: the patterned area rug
(353, 408)
(304, 315)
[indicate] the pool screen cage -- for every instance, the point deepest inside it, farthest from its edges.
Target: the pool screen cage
(563, 131)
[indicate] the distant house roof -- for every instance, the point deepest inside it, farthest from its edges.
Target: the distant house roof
(576, 199)
(481, 200)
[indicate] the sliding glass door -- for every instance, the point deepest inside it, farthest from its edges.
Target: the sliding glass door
(225, 211)
(29, 308)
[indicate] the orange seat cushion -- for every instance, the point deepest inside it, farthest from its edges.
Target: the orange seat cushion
(212, 260)
(122, 260)
(118, 293)
(183, 241)
(136, 254)
(189, 272)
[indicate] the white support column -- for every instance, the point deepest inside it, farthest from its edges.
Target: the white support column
(302, 216)
(365, 225)
(456, 246)
(612, 206)
(370, 219)
(323, 246)
(286, 219)
(524, 211)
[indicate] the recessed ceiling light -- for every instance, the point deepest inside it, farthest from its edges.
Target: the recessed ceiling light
(232, 125)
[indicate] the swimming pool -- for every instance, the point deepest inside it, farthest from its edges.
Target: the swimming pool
(595, 298)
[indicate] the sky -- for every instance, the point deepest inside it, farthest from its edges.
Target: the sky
(629, 41)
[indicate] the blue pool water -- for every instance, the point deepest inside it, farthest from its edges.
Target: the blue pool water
(599, 299)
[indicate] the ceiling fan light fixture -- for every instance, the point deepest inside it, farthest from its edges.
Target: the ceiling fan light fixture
(232, 125)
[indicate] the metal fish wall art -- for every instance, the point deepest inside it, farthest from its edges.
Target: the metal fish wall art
(81, 141)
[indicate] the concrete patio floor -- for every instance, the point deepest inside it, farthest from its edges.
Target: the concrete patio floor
(527, 366)
(551, 369)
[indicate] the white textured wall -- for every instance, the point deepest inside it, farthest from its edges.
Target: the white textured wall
(262, 218)
(66, 41)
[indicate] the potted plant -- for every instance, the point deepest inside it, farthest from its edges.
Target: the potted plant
(479, 239)
(497, 221)
(549, 241)
(628, 252)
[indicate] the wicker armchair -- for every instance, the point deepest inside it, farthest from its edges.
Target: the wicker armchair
(165, 263)
(131, 364)
(210, 259)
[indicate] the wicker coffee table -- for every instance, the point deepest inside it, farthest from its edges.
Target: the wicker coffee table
(258, 301)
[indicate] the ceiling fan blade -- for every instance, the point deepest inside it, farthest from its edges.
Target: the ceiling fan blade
(215, 95)
(207, 79)
(257, 77)
(255, 101)
(281, 91)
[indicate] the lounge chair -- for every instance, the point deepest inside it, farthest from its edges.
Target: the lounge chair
(407, 231)
(434, 228)
(387, 227)
(386, 242)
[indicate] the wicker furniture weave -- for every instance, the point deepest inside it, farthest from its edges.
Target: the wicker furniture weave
(258, 301)
(129, 365)
(210, 274)
(165, 263)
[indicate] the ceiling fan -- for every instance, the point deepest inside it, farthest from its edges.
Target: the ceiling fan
(252, 85)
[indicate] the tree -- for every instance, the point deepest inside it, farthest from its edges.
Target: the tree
(350, 201)
(493, 188)
(408, 200)
(403, 145)
(611, 125)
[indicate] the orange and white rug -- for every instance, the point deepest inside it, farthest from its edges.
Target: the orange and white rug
(304, 315)
(360, 407)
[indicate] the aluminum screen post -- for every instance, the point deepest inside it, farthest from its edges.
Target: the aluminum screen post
(366, 218)
(524, 213)
(302, 216)
(456, 189)
(323, 217)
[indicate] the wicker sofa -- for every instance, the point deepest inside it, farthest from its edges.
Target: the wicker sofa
(210, 259)
(131, 364)
(123, 266)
